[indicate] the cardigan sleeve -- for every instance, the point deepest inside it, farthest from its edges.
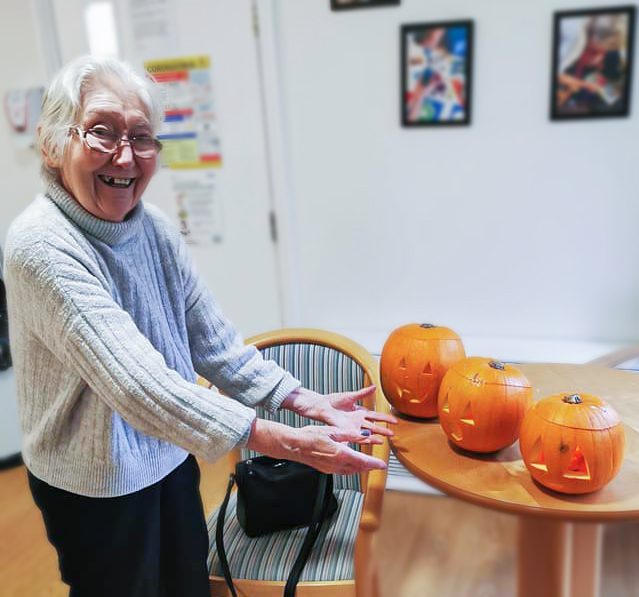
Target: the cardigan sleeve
(77, 320)
(218, 351)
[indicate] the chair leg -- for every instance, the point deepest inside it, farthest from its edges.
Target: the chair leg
(366, 577)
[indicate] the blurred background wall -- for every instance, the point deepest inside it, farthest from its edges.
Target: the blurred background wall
(513, 227)
(516, 231)
(22, 66)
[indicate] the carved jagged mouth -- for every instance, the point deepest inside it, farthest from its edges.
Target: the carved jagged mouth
(118, 183)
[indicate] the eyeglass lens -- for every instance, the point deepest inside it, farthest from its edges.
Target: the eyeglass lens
(107, 142)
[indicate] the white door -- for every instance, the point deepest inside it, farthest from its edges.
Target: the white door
(240, 269)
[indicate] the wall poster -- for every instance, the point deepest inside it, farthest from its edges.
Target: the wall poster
(152, 26)
(191, 144)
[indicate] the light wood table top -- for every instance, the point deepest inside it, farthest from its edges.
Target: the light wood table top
(501, 481)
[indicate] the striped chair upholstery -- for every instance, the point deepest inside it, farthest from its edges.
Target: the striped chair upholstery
(321, 369)
(324, 370)
(271, 557)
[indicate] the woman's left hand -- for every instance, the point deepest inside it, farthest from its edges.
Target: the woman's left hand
(339, 410)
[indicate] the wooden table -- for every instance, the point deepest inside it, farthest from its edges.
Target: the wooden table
(560, 536)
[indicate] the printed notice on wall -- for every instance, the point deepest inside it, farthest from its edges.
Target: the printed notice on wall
(191, 146)
(152, 27)
(198, 206)
(190, 133)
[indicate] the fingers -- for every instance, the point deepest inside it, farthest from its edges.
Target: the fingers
(365, 391)
(343, 399)
(373, 415)
(362, 462)
(354, 436)
(373, 440)
(370, 419)
(325, 448)
(347, 462)
(378, 429)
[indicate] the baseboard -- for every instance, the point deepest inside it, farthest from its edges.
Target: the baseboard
(11, 461)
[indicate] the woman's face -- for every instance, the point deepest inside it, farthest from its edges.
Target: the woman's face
(108, 185)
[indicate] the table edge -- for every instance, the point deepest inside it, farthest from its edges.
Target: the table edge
(594, 516)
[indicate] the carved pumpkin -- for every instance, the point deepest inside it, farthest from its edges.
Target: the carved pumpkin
(414, 360)
(572, 443)
(482, 403)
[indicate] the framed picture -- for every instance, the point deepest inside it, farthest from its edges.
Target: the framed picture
(592, 63)
(436, 66)
(348, 4)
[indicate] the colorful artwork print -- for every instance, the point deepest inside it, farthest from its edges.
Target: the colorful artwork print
(436, 73)
(592, 59)
(348, 4)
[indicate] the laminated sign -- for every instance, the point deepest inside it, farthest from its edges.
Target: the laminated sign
(189, 136)
(191, 145)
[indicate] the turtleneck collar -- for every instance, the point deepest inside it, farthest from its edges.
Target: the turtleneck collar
(111, 233)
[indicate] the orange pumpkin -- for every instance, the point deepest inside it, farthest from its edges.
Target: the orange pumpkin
(482, 403)
(572, 443)
(414, 360)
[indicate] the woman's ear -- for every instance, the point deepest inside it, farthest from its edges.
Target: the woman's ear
(49, 157)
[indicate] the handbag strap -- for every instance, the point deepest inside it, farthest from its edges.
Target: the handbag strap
(320, 511)
(219, 537)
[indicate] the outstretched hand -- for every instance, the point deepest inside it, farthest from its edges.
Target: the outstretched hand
(340, 410)
(326, 449)
(322, 447)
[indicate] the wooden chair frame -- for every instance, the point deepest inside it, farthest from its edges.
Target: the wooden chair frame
(372, 484)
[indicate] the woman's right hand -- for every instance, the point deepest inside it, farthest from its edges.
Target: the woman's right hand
(321, 446)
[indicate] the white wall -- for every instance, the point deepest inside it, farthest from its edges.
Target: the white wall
(21, 66)
(241, 270)
(514, 227)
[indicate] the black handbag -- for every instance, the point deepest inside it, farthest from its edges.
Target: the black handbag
(275, 495)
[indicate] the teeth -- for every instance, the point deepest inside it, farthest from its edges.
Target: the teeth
(116, 182)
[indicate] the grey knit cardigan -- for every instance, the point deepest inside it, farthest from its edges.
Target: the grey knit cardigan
(109, 324)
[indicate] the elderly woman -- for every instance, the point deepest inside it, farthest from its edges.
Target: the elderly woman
(110, 323)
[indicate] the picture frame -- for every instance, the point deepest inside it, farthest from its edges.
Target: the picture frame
(354, 4)
(436, 73)
(592, 62)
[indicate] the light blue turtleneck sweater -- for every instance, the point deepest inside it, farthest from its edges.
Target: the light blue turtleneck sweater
(109, 323)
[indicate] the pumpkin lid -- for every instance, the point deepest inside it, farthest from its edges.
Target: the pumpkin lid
(577, 410)
(426, 331)
(485, 371)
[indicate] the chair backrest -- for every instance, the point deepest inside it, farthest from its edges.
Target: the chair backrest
(324, 362)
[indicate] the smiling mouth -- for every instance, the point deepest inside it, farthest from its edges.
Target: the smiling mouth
(117, 183)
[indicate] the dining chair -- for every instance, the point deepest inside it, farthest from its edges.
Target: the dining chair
(342, 563)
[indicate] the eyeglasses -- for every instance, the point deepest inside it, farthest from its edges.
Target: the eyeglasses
(104, 141)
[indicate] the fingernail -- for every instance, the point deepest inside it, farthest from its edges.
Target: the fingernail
(365, 432)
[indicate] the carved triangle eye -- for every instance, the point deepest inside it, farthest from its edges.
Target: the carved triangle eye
(538, 459)
(428, 370)
(456, 432)
(578, 467)
(467, 417)
(446, 406)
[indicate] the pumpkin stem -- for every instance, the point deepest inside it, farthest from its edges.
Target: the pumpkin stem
(572, 399)
(497, 365)
(427, 325)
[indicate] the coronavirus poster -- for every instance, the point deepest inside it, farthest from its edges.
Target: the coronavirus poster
(191, 147)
